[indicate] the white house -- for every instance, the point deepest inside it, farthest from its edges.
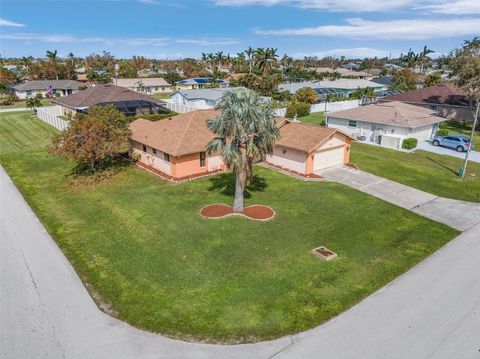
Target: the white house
(56, 87)
(386, 124)
(147, 85)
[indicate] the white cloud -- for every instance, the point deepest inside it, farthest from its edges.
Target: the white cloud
(414, 29)
(352, 53)
(458, 7)
(330, 5)
(208, 42)
(5, 22)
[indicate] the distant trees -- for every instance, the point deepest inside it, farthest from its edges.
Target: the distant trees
(435, 78)
(306, 95)
(172, 76)
(404, 80)
(265, 85)
(93, 138)
(126, 69)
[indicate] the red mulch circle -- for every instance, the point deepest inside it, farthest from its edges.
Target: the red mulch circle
(256, 212)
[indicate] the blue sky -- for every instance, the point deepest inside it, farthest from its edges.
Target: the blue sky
(186, 28)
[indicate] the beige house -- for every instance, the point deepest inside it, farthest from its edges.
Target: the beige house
(148, 85)
(386, 124)
(45, 88)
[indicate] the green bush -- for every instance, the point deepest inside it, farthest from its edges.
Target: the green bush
(409, 143)
(297, 108)
(156, 117)
(82, 87)
(39, 95)
(442, 132)
(9, 100)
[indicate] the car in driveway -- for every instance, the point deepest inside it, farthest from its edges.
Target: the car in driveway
(459, 143)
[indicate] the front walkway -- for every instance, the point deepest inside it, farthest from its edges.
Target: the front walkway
(473, 156)
(460, 215)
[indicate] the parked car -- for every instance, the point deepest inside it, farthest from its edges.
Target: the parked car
(459, 143)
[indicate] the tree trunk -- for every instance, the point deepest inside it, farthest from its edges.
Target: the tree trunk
(92, 165)
(239, 189)
(249, 174)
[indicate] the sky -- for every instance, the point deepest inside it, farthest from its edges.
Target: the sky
(172, 29)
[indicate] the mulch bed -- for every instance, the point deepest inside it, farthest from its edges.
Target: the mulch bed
(255, 212)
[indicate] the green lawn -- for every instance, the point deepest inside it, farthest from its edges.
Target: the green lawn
(140, 244)
(22, 104)
(161, 96)
(423, 170)
(457, 128)
(317, 118)
(23, 132)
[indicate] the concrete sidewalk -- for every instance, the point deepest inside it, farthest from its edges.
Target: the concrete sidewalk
(457, 214)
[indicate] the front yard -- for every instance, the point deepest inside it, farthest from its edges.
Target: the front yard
(22, 104)
(140, 243)
(426, 171)
(316, 118)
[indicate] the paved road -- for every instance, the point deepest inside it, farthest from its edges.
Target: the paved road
(473, 156)
(457, 214)
(433, 311)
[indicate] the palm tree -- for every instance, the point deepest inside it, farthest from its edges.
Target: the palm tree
(265, 58)
(52, 57)
(246, 133)
(250, 52)
(33, 103)
(423, 56)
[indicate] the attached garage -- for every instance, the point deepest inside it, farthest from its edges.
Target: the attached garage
(328, 158)
(305, 148)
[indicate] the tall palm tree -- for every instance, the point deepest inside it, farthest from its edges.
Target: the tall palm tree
(250, 52)
(423, 56)
(246, 133)
(52, 58)
(265, 58)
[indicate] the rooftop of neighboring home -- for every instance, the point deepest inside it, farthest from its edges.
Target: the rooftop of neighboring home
(446, 94)
(198, 81)
(45, 84)
(179, 135)
(142, 81)
(213, 94)
(384, 80)
(304, 137)
(341, 84)
(101, 94)
(341, 71)
(391, 113)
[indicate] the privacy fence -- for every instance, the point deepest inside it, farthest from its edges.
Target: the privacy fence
(51, 115)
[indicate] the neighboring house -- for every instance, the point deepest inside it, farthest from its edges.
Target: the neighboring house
(56, 87)
(202, 98)
(126, 101)
(386, 124)
(340, 87)
(342, 72)
(448, 99)
(305, 148)
(197, 83)
(385, 81)
(148, 85)
(177, 146)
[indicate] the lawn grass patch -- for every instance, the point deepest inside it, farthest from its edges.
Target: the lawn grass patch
(316, 118)
(424, 170)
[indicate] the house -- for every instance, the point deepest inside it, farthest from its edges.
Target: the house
(340, 87)
(176, 147)
(202, 98)
(386, 124)
(198, 83)
(448, 99)
(342, 72)
(148, 85)
(306, 148)
(44, 87)
(126, 101)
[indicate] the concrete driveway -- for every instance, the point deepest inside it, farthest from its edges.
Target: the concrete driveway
(457, 214)
(473, 156)
(433, 311)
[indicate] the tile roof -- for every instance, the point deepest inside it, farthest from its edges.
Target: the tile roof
(101, 94)
(343, 84)
(179, 135)
(446, 94)
(146, 81)
(213, 94)
(44, 84)
(304, 137)
(390, 113)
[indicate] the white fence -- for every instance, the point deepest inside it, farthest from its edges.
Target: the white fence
(50, 115)
(331, 107)
(179, 108)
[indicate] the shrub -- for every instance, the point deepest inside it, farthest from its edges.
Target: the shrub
(9, 100)
(297, 108)
(306, 95)
(409, 143)
(38, 95)
(156, 117)
(442, 132)
(82, 87)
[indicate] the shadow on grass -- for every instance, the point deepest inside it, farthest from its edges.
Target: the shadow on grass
(225, 184)
(82, 174)
(455, 171)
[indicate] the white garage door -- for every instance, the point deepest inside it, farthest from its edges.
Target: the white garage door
(328, 158)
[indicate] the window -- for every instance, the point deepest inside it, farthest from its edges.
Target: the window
(29, 93)
(202, 159)
(144, 148)
(156, 88)
(166, 157)
(352, 123)
(154, 150)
